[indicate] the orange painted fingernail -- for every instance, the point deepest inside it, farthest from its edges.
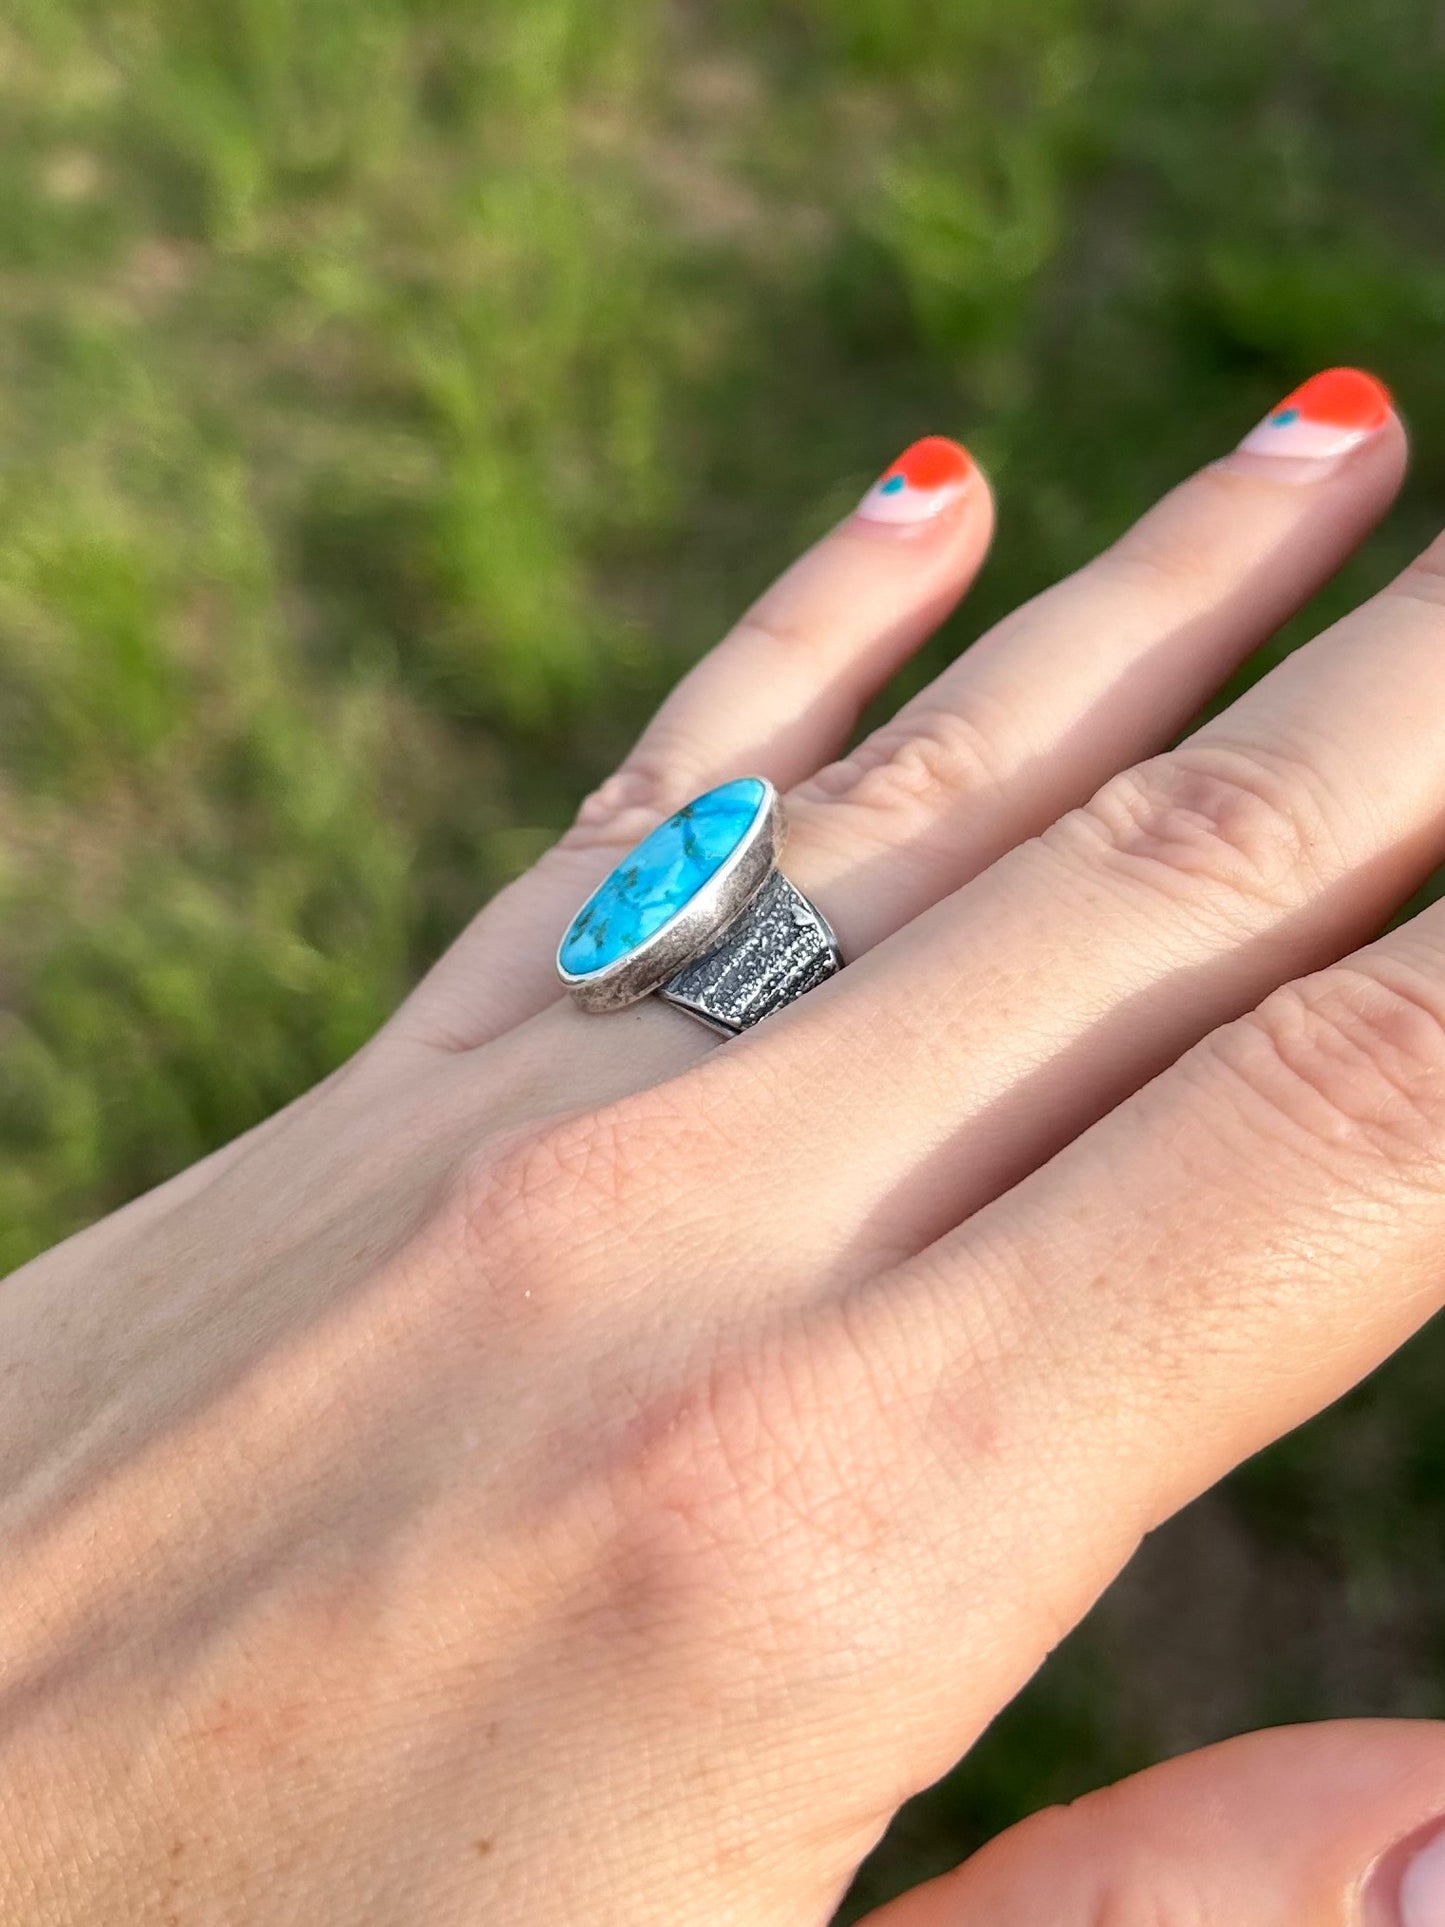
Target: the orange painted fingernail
(925, 480)
(1324, 418)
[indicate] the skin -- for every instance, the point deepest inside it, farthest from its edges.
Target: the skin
(566, 1470)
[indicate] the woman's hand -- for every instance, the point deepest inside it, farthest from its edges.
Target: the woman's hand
(565, 1471)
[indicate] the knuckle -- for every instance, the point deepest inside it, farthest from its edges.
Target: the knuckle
(1147, 1891)
(594, 1187)
(594, 1159)
(1210, 818)
(1170, 556)
(539, 1200)
(623, 809)
(1120, 1874)
(1423, 581)
(761, 1478)
(679, 1485)
(1355, 1058)
(922, 763)
(775, 625)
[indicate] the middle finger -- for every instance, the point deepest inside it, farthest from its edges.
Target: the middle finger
(1001, 1023)
(1104, 667)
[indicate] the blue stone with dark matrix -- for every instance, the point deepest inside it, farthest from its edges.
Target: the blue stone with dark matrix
(661, 876)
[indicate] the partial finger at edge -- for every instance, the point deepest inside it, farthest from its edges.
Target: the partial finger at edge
(1335, 1825)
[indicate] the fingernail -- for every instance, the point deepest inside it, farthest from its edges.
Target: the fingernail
(1422, 1886)
(1324, 419)
(1407, 1887)
(926, 480)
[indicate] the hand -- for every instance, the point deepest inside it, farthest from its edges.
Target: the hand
(562, 1470)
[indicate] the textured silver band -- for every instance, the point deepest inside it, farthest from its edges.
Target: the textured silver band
(775, 950)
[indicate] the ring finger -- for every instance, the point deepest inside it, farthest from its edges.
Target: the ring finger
(778, 696)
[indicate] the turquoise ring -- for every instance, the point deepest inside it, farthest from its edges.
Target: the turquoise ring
(700, 914)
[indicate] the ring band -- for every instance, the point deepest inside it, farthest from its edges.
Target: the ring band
(779, 948)
(700, 914)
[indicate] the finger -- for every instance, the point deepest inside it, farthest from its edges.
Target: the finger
(1003, 1022)
(1230, 1250)
(1336, 1825)
(778, 696)
(1104, 668)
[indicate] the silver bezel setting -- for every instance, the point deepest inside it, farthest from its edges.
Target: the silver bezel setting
(692, 929)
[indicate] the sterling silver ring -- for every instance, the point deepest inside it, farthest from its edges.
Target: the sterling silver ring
(701, 914)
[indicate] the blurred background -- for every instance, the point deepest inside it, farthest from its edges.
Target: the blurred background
(395, 395)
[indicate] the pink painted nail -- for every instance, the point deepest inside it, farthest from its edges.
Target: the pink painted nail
(925, 480)
(1422, 1886)
(1407, 1887)
(1325, 418)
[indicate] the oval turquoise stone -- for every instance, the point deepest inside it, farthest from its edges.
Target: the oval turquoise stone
(661, 876)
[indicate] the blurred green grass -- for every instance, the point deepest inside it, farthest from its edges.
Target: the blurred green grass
(395, 395)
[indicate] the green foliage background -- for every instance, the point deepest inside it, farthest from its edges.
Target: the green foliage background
(396, 394)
